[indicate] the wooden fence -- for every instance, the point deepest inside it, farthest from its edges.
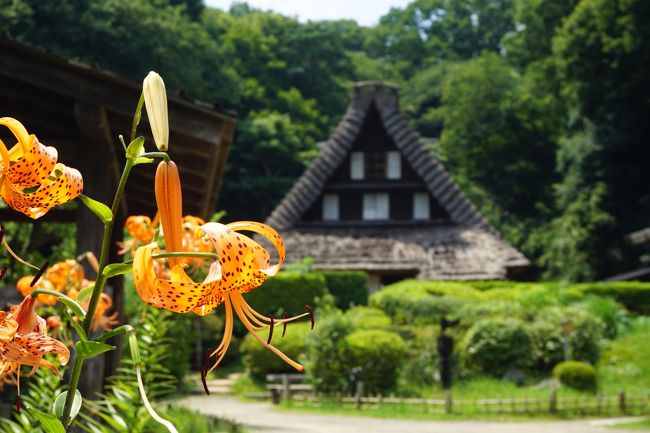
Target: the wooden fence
(555, 403)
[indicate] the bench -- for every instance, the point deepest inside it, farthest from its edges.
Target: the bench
(284, 386)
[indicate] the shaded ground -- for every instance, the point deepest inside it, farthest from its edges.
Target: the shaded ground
(261, 417)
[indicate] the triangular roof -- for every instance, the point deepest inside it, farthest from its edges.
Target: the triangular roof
(468, 247)
(384, 96)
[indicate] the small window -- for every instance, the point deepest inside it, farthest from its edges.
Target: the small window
(330, 207)
(356, 165)
(394, 166)
(375, 206)
(421, 209)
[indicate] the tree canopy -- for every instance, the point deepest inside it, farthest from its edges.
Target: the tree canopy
(539, 107)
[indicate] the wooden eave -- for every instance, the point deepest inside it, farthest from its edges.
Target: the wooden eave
(69, 104)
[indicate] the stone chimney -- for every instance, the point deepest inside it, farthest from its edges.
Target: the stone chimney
(382, 93)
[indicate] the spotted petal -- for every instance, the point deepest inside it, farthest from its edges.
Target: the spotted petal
(178, 293)
(32, 180)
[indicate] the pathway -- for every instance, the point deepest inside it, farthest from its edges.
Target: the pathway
(261, 417)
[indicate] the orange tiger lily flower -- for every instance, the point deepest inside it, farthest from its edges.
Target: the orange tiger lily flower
(24, 340)
(31, 180)
(242, 266)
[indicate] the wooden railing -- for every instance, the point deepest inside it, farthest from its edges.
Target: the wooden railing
(555, 403)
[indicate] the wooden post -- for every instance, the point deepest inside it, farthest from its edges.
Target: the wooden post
(286, 392)
(359, 394)
(552, 404)
(622, 403)
(448, 401)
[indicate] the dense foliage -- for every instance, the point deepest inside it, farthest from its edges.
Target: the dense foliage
(538, 106)
(349, 288)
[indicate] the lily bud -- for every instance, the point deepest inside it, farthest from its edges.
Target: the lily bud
(155, 99)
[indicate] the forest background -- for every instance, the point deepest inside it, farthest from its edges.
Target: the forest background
(539, 109)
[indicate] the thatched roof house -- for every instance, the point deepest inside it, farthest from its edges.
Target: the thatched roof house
(377, 200)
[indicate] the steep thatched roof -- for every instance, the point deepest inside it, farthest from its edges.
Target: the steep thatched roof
(463, 247)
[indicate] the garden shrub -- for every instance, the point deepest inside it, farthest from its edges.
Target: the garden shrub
(410, 302)
(547, 344)
(260, 361)
(633, 294)
(492, 346)
(610, 312)
(588, 331)
(420, 364)
(287, 291)
(577, 375)
(325, 363)
(368, 318)
(350, 288)
(379, 353)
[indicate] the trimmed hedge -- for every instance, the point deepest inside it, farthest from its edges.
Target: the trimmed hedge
(576, 375)
(287, 291)
(350, 288)
(633, 294)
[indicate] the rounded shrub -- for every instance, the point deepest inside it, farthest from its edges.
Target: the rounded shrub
(379, 353)
(492, 346)
(260, 361)
(577, 375)
(368, 318)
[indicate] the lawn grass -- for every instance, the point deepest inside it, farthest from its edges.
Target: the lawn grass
(408, 411)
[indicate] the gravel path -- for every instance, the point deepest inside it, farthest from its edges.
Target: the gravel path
(261, 417)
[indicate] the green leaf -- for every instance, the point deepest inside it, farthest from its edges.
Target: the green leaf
(115, 269)
(85, 293)
(59, 404)
(100, 209)
(136, 147)
(48, 422)
(90, 349)
(142, 160)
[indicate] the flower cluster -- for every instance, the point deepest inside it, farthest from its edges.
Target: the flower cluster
(24, 341)
(68, 278)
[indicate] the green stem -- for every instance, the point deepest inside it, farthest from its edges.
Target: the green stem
(180, 254)
(98, 290)
(162, 155)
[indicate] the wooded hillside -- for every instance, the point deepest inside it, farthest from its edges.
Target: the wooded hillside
(540, 108)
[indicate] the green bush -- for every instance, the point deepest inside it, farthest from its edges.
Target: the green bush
(586, 334)
(325, 362)
(633, 294)
(420, 365)
(379, 353)
(260, 361)
(368, 318)
(576, 374)
(492, 346)
(419, 302)
(350, 288)
(287, 291)
(547, 344)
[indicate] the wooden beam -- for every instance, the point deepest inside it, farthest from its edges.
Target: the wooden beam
(53, 216)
